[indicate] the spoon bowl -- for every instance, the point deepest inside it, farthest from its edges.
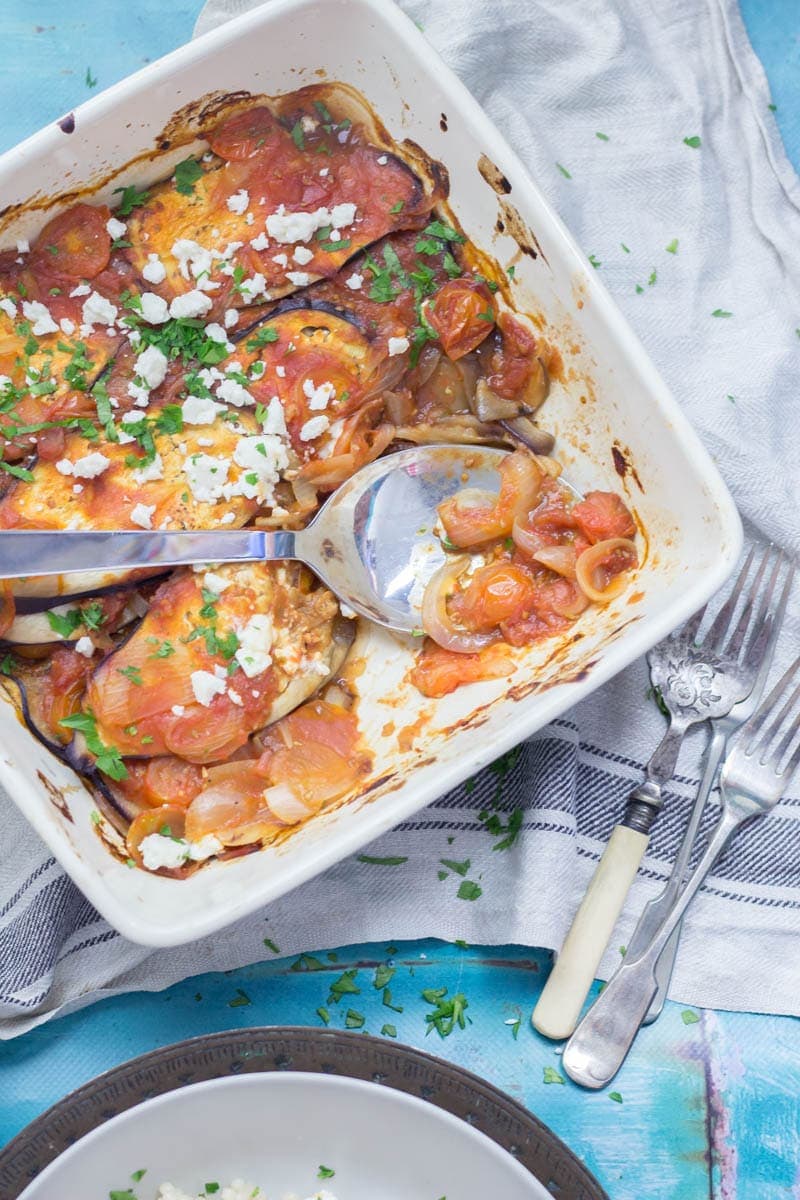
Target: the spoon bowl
(373, 543)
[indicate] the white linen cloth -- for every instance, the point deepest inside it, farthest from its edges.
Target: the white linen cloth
(553, 75)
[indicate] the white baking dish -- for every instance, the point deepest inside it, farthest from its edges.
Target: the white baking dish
(614, 398)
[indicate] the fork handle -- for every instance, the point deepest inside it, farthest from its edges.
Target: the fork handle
(561, 1001)
(599, 1046)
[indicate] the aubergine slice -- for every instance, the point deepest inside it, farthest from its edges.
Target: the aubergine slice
(219, 655)
(274, 207)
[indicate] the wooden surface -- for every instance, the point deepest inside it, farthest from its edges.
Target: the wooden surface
(708, 1104)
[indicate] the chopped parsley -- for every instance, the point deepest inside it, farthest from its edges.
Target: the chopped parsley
(563, 171)
(616, 1097)
(131, 198)
(324, 1015)
(494, 824)
(603, 137)
(265, 335)
(447, 1013)
(187, 174)
(672, 248)
(694, 142)
(595, 261)
(139, 1175)
(353, 1020)
(345, 985)
(18, 472)
(651, 277)
(388, 1031)
(240, 1000)
(551, 1075)
(64, 624)
(689, 1016)
(398, 207)
(107, 758)
(325, 1173)
(721, 312)
(469, 890)
(297, 135)
(392, 860)
(132, 673)
(268, 942)
(307, 962)
(460, 868)
(91, 80)
(383, 975)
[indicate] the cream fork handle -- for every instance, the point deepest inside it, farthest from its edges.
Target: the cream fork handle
(561, 1001)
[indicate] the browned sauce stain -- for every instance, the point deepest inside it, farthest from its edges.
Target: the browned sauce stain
(493, 176)
(56, 796)
(623, 464)
(443, 122)
(409, 733)
(388, 729)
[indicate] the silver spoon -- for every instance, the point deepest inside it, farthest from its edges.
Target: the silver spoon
(372, 542)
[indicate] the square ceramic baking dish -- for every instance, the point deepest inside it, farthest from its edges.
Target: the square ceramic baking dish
(616, 425)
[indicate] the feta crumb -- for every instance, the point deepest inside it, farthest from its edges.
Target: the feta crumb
(117, 229)
(334, 235)
(261, 458)
(216, 333)
(190, 304)
(192, 257)
(325, 171)
(302, 255)
(255, 644)
(347, 611)
(281, 259)
(318, 397)
(142, 515)
(355, 282)
(154, 308)
(256, 286)
(382, 160)
(298, 278)
(158, 850)
(289, 227)
(8, 306)
(39, 313)
(200, 410)
(82, 289)
(260, 241)
(275, 418)
(398, 345)
(23, 246)
(314, 428)
(234, 393)
(154, 270)
(215, 583)
(66, 326)
(206, 686)
(343, 214)
(206, 475)
(88, 467)
(228, 518)
(280, 371)
(98, 311)
(84, 646)
(153, 470)
(151, 366)
(239, 201)
(231, 317)
(178, 710)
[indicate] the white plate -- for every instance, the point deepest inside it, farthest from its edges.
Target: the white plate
(275, 1131)
(614, 397)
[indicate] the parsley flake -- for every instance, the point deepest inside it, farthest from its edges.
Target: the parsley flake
(551, 1075)
(689, 1016)
(563, 171)
(186, 176)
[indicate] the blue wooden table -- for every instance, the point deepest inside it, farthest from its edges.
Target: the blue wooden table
(707, 1106)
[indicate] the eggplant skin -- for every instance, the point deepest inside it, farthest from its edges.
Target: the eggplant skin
(219, 655)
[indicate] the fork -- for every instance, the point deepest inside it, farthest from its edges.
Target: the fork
(698, 680)
(721, 730)
(757, 771)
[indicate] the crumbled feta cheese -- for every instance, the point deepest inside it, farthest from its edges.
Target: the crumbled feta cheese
(280, 371)
(192, 257)
(231, 317)
(206, 686)
(151, 366)
(66, 326)
(23, 246)
(382, 160)
(200, 410)
(255, 644)
(77, 488)
(308, 124)
(355, 282)
(153, 470)
(343, 214)
(228, 518)
(215, 332)
(275, 418)
(190, 304)
(158, 850)
(260, 241)
(302, 255)
(234, 393)
(88, 467)
(235, 697)
(207, 847)
(398, 345)
(325, 171)
(154, 270)
(140, 394)
(215, 583)
(39, 313)
(84, 646)
(334, 235)
(98, 311)
(249, 219)
(314, 428)
(82, 289)
(261, 458)
(206, 475)
(116, 229)
(142, 515)
(347, 611)
(256, 286)
(239, 201)
(318, 397)
(178, 710)
(154, 309)
(9, 307)
(298, 278)
(289, 227)
(281, 259)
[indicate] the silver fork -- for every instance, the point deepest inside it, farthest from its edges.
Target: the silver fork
(699, 681)
(757, 771)
(721, 730)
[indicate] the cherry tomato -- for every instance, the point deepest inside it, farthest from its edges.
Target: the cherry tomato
(76, 243)
(500, 591)
(462, 314)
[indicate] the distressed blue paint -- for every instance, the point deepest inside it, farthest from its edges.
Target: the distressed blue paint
(654, 1144)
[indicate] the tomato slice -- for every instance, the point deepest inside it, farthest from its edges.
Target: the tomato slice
(462, 313)
(500, 591)
(76, 243)
(439, 671)
(602, 516)
(254, 131)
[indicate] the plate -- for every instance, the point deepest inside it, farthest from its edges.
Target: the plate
(273, 1105)
(617, 428)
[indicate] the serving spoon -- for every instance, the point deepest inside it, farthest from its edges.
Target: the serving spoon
(372, 542)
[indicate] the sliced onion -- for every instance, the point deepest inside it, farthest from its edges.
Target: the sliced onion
(527, 540)
(560, 559)
(592, 559)
(285, 804)
(436, 620)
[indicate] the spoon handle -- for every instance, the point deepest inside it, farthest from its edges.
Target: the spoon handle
(33, 552)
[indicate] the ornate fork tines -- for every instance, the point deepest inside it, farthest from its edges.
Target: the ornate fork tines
(772, 755)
